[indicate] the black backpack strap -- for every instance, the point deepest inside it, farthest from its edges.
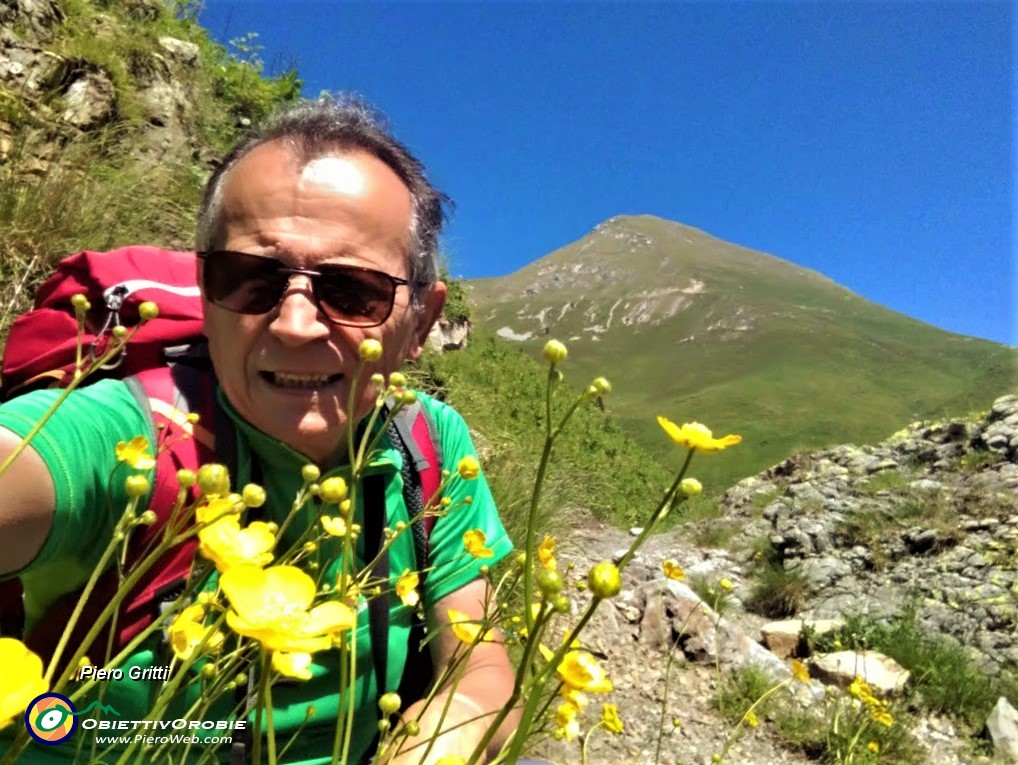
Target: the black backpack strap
(378, 608)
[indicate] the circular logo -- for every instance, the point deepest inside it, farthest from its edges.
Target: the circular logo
(50, 718)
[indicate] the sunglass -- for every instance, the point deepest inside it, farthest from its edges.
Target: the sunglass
(254, 284)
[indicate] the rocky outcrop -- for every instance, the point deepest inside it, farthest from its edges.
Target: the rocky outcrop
(61, 98)
(929, 516)
(449, 335)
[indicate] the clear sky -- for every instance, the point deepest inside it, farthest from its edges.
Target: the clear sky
(871, 141)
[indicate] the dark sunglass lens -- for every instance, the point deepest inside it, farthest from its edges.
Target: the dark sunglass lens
(243, 283)
(354, 296)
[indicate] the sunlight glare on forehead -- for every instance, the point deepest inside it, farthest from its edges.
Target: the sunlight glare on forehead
(337, 173)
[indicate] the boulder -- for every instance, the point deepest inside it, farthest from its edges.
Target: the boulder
(784, 637)
(1002, 725)
(882, 673)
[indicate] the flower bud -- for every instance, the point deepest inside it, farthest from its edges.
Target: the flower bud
(209, 671)
(602, 386)
(148, 310)
(604, 580)
(186, 478)
(468, 468)
(147, 518)
(690, 487)
(389, 703)
(214, 480)
(412, 728)
(549, 581)
(554, 352)
(397, 379)
(253, 496)
(119, 332)
(332, 490)
(80, 302)
(136, 485)
(310, 473)
(378, 380)
(310, 547)
(370, 350)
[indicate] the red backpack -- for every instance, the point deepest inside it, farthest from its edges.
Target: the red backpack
(41, 351)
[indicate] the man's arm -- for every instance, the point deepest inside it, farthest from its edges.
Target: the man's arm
(27, 501)
(483, 689)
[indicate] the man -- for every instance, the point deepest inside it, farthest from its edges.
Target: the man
(315, 234)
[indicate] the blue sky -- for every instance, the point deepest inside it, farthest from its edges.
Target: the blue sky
(873, 142)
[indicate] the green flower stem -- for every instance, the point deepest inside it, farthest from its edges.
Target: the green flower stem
(586, 739)
(266, 700)
(533, 640)
(348, 733)
(97, 572)
(535, 499)
(658, 514)
(76, 381)
(730, 739)
(344, 688)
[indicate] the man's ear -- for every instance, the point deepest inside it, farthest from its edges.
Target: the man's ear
(432, 301)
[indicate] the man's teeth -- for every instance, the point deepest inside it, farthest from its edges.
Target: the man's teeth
(300, 381)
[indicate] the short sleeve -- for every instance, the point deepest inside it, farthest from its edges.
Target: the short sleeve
(78, 445)
(452, 566)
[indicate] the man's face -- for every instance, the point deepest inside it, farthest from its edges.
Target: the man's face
(346, 208)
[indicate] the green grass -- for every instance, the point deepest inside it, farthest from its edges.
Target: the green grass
(740, 689)
(946, 678)
(594, 464)
(777, 592)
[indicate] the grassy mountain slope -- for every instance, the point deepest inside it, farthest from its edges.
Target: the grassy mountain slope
(694, 328)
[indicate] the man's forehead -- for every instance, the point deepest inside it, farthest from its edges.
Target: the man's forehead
(339, 174)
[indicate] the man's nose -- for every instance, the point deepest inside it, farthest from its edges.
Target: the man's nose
(298, 319)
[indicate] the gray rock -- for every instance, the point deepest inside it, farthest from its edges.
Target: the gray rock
(1002, 725)
(89, 101)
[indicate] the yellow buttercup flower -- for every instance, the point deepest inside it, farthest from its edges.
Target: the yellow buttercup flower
(726, 584)
(474, 541)
(135, 453)
(188, 630)
(751, 719)
(467, 631)
(20, 679)
(566, 720)
(273, 606)
(673, 570)
(294, 664)
(226, 544)
(694, 435)
(334, 525)
(799, 671)
(610, 719)
(581, 671)
(883, 718)
(468, 468)
(546, 553)
(406, 588)
(874, 747)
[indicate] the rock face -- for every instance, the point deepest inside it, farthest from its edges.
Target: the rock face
(929, 517)
(449, 336)
(67, 97)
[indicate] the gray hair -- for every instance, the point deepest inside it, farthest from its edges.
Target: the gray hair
(316, 127)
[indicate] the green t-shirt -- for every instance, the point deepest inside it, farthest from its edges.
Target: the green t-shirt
(78, 447)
